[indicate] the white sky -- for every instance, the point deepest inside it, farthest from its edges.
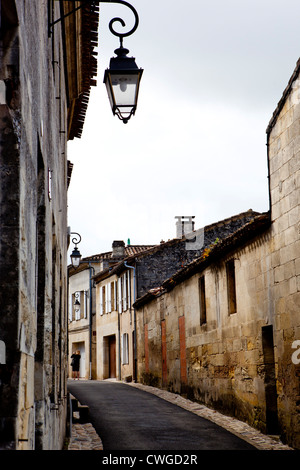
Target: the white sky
(213, 75)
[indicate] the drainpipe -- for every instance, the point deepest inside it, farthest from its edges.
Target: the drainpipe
(134, 318)
(119, 341)
(92, 270)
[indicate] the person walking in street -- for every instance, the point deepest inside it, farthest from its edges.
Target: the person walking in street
(75, 364)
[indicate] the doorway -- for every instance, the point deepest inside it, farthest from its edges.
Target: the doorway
(270, 380)
(112, 357)
(80, 346)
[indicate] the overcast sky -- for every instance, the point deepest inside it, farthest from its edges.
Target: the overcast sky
(213, 75)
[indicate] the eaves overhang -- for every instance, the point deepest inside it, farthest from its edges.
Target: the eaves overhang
(80, 31)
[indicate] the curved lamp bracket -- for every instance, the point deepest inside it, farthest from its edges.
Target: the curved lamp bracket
(111, 23)
(77, 239)
(120, 20)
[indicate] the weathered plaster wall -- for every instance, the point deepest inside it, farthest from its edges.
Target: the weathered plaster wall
(33, 233)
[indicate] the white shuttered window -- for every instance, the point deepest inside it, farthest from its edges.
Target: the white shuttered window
(125, 349)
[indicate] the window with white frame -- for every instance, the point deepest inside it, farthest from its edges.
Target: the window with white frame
(116, 295)
(129, 289)
(102, 299)
(125, 348)
(120, 295)
(78, 307)
(112, 296)
(123, 292)
(108, 298)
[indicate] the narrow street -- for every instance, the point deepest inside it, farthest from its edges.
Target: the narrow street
(127, 418)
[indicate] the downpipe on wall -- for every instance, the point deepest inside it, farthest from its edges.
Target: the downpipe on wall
(134, 316)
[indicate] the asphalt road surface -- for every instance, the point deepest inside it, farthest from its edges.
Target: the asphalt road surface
(127, 418)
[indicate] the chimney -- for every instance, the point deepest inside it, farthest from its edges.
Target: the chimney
(118, 249)
(184, 225)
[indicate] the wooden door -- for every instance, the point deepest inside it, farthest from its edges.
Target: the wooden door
(112, 357)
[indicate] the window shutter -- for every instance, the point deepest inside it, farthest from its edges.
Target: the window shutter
(84, 304)
(120, 295)
(109, 297)
(129, 289)
(124, 277)
(101, 301)
(71, 307)
(77, 307)
(125, 349)
(122, 349)
(116, 295)
(106, 298)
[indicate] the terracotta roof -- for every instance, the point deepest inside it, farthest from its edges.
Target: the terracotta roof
(130, 250)
(213, 253)
(222, 228)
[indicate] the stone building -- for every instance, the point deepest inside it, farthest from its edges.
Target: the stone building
(82, 309)
(225, 329)
(130, 277)
(115, 317)
(44, 93)
(82, 305)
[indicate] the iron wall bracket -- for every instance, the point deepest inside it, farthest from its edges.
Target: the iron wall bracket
(94, 3)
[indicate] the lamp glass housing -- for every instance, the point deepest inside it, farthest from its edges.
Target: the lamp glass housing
(75, 257)
(122, 82)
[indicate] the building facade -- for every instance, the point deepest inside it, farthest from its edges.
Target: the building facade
(115, 317)
(131, 277)
(82, 309)
(43, 96)
(225, 329)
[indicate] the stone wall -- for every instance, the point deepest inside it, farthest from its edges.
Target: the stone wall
(223, 358)
(284, 162)
(153, 268)
(244, 361)
(33, 219)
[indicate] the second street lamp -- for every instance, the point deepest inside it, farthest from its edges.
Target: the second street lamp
(75, 255)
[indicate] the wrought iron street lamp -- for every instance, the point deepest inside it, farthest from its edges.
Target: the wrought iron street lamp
(122, 81)
(122, 78)
(75, 255)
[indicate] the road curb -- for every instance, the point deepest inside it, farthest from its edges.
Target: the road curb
(239, 428)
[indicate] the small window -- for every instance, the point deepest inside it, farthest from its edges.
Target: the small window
(202, 300)
(124, 291)
(125, 349)
(79, 305)
(112, 302)
(102, 300)
(231, 289)
(107, 298)
(120, 295)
